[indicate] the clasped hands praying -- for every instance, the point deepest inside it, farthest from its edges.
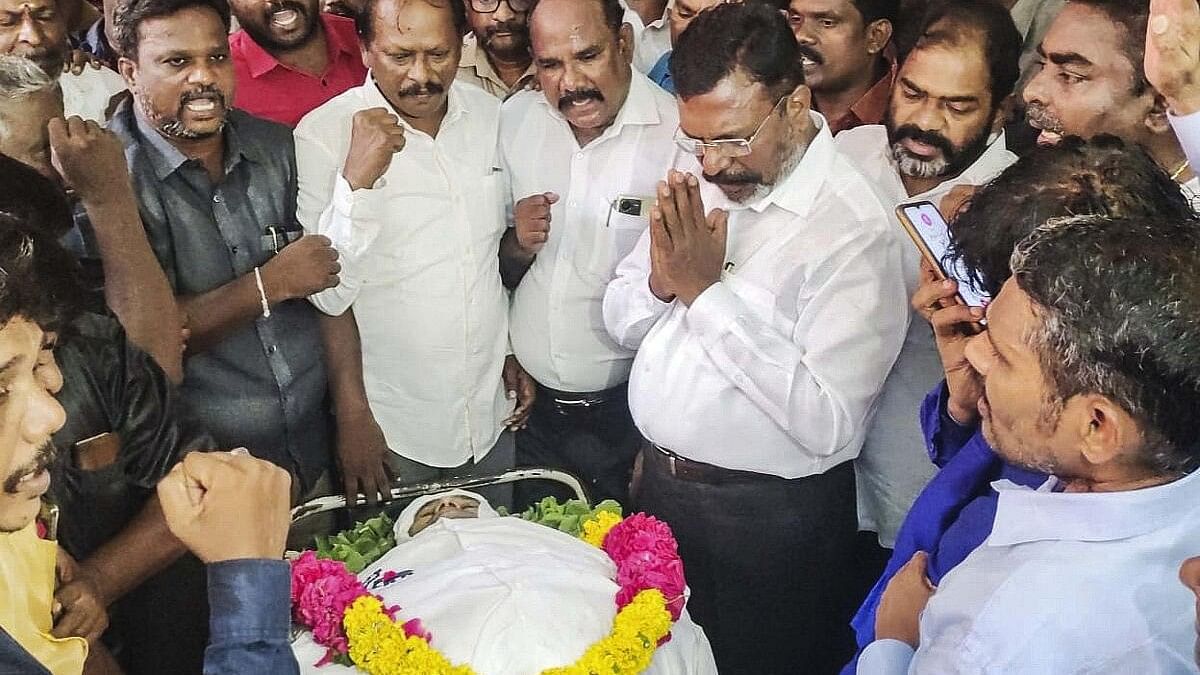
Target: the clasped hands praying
(687, 246)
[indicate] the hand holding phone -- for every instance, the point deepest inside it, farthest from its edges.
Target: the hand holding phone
(931, 234)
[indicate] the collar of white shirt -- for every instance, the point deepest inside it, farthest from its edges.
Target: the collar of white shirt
(373, 98)
(1024, 515)
(640, 108)
(797, 192)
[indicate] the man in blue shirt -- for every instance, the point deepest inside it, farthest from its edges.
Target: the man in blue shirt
(953, 515)
(679, 16)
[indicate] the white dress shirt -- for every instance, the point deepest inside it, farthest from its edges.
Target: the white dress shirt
(650, 41)
(1066, 583)
(556, 325)
(419, 267)
(773, 369)
(894, 466)
(88, 93)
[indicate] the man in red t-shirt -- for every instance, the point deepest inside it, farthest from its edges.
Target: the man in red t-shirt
(289, 58)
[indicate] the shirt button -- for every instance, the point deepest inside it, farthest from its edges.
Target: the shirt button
(272, 349)
(579, 155)
(216, 199)
(234, 249)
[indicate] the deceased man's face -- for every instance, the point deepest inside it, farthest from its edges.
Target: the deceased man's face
(454, 506)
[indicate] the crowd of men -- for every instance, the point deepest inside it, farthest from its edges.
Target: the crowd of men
(652, 243)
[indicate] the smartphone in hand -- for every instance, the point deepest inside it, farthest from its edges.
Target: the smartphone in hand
(931, 234)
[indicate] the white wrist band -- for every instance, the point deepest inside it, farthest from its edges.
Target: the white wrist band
(262, 294)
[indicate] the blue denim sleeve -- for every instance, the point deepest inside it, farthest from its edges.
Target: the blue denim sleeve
(249, 623)
(943, 436)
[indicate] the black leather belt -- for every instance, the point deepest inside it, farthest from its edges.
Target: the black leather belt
(567, 402)
(699, 472)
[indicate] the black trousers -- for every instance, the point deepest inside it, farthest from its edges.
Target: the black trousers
(770, 564)
(596, 443)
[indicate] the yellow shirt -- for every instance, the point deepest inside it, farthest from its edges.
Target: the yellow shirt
(27, 586)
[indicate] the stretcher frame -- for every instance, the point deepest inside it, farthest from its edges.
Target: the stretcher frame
(331, 503)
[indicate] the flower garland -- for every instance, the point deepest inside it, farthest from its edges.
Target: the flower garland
(358, 629)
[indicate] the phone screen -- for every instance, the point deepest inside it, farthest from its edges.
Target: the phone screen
(933, 230)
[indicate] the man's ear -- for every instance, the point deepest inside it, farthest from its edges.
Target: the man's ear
(128, 70)
(1156, 117)
(625, 43)
(799, 103)
(879, 33)
(1003, 112)
(1106, 431)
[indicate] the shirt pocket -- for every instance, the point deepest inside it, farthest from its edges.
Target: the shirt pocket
(615, 240)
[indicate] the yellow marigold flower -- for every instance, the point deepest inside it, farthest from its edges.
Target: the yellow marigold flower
(596, 529)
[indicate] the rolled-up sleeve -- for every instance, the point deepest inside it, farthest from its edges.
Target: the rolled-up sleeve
(1187, 130)
(885, 657)
(249, 618)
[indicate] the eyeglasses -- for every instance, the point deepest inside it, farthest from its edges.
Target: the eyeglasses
(725, 147)
(489, 6)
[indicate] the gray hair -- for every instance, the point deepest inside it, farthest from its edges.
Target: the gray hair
(22, 78)
(1118, 303)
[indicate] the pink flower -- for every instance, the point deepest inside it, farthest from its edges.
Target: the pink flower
(321, 592)
(414, 628)
(647, 556)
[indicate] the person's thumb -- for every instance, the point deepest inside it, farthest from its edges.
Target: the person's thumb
(718, 223)
(179, 500)
(551, 197)
(1189, 574)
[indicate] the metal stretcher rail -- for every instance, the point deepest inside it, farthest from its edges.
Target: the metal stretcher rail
(321, 505)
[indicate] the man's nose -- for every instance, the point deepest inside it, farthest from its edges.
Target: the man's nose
(43, 417)
(30, 32)
(504, 12)
(714, 161)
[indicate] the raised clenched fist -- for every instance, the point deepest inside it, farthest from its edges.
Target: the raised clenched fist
(374, 138)
(532, 217)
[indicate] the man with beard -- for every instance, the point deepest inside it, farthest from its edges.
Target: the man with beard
(1092, 80)
(37, 30)
(289, 58)
(764, 329)
(581, 159)
(216, 190)
(942, 130)
(206, 505)
(400, 174)
(1087, 371)
(849, 58)
(495, 56)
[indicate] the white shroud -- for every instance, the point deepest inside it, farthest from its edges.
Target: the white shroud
(509, 597)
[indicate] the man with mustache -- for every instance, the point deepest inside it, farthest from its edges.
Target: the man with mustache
(402, 174)
(232, 511)
(764, 329)
(495, 55)
(1092, 80)
(216, 192)
(37, 30)
(942, 129)
(1086, 372)
(289, 58)
(581, 159)
(849, 58)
